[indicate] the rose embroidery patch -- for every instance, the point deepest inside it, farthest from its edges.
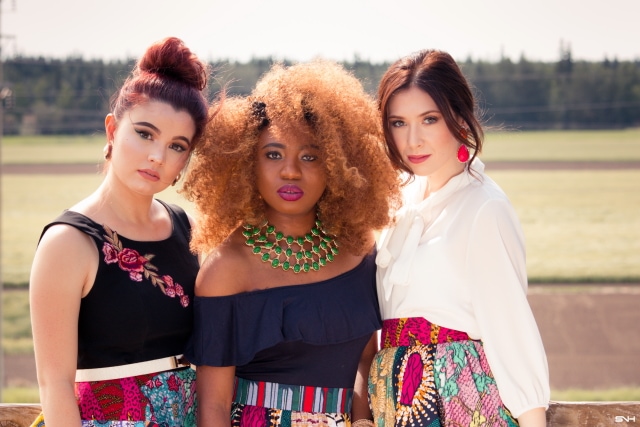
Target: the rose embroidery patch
(139, 266)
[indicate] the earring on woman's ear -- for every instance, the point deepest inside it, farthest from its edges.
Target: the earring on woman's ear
(107, 150)
(463, 153)
(175, 181)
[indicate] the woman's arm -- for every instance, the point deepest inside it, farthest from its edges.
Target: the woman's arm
(496, 270)
(536, 417)
(360, 408)
(60, 274)
(215, 392)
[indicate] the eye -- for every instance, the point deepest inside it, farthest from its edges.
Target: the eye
(143, 134)
(397, 123)
(273, 155)
(180, 148)
(309, 157)
(430, 119)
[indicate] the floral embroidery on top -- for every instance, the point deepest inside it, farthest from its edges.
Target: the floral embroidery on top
(138, 265)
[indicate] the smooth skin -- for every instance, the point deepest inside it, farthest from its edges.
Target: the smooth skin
(284, 160)
(150, 147)
(429, 148)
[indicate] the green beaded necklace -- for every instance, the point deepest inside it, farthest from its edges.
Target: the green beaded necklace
(279, 252)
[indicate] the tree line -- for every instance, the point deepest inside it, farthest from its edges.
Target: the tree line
(71, 96)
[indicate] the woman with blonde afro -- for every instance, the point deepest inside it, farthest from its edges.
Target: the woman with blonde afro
(289, 187)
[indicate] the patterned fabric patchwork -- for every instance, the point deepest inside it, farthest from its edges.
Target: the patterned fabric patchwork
(166, 399)
(467, 389)
(265, 404)
(259, 416)
(292, 397)
(441, 379)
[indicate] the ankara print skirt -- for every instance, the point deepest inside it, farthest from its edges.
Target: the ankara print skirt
(266, 404)
(165, 399)
(430, 376)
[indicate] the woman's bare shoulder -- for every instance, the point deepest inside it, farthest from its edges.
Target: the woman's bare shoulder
(225, 270)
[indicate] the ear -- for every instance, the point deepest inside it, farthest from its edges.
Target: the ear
(110, 126)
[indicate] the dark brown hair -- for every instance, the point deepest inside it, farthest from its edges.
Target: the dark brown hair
(436, 73)
(167, 72)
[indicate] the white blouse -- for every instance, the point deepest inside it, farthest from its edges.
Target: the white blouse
(457, 258)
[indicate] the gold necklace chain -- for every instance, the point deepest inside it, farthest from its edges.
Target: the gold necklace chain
(274, 247)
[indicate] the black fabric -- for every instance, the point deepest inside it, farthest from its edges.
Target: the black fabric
(311, 334)
(126, 318)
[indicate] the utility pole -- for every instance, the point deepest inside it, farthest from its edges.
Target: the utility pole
(5, 97)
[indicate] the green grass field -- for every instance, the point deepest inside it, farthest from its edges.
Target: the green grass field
(580, 225)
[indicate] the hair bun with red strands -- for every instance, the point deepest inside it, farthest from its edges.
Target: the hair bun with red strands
(171, 58)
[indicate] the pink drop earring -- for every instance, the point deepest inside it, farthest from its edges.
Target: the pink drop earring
(463, 151)
(463, 154)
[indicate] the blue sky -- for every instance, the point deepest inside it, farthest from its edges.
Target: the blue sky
(375, 30)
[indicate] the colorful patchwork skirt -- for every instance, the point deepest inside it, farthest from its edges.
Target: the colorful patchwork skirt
(166, 399)
(429, 376)
(265, 404)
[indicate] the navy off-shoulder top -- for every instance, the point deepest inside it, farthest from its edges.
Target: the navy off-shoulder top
(311, 334)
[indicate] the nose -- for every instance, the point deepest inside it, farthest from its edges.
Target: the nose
(157, 154)
(414, 138)
(290, 168)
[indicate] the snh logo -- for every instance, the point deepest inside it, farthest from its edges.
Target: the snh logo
(623, 419)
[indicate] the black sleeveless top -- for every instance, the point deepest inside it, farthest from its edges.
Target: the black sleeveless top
(311, 334)
(141, 304)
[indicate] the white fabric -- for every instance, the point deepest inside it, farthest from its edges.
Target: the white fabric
(131, 370)
(457, 258)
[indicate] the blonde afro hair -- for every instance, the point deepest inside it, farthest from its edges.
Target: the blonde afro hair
(324, 100)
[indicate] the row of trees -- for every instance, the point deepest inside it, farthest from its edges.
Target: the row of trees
(71, 96)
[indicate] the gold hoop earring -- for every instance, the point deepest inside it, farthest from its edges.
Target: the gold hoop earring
(175, 181)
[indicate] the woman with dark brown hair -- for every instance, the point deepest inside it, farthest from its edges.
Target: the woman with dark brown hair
(289, 188)
(460, 344)
(112, 280)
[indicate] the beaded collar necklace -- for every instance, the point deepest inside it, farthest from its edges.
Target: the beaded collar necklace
(314, 249)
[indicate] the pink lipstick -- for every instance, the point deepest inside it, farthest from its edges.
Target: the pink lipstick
(418, 159)
(290, 193)
(149, 174)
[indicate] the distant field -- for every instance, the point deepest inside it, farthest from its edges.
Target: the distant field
(580, 225)
(52, 149)
(31, 201)
(616, 145)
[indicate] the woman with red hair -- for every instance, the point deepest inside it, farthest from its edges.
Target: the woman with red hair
(112, 282)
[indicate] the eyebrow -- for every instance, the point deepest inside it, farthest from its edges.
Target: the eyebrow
(391, 116)
(152, 126)
(282, 146)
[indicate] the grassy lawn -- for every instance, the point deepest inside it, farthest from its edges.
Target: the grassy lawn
(31, 201)
(579, 225)
(52, 149)
(618, 145)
